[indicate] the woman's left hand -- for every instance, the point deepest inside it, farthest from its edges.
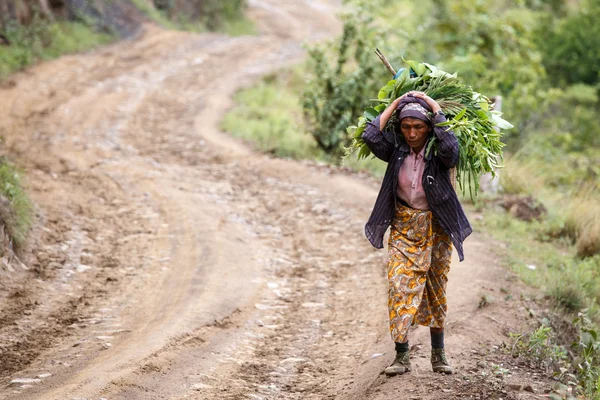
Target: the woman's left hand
(435, 107)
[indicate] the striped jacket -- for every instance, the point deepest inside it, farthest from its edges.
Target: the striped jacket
(442, 198)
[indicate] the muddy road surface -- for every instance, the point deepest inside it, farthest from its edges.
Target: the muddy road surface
(170, 261)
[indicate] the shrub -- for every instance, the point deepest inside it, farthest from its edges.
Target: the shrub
(337, 92)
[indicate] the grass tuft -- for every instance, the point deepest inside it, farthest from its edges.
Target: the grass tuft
(239, 27)
(16, 210)
(583, 222)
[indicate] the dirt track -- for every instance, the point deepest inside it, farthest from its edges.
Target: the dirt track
(170, 261)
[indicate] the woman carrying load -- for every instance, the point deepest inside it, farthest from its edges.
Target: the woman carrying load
(419, 203)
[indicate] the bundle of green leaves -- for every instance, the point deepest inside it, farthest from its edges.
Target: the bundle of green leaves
(469, 115)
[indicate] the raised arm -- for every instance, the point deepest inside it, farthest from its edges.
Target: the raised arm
(374, 138)
(447, 142)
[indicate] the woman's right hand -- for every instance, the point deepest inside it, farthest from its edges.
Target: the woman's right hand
(387, 113)
(395, 102)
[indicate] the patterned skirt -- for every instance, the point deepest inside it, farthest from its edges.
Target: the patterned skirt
(420, 255)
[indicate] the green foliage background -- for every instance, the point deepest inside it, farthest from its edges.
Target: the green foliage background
(540, 56)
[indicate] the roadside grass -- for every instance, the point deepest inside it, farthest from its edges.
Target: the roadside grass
(158, 16)
(560, 255)
(567, 184)
(16, 210)
(42, 41)
(551, 266)
(239, 27)
(233, 26)
(269, 115)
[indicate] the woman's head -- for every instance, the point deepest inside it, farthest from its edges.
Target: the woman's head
(415, 125)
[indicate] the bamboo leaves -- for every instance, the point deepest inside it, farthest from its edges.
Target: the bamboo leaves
(469, 116)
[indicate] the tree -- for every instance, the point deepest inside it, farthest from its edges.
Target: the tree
(570, 47)
(338, 91)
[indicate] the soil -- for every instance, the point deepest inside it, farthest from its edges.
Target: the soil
(171, 261)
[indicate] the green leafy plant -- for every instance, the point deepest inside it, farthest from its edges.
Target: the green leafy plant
(336, 93)
(476, 126)
(578, 369)
(587, 361)
(16, 210)
(538, 345)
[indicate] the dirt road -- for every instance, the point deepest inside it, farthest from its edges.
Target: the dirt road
(169, 261)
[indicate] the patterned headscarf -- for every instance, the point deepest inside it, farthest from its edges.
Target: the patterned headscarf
(415, 110)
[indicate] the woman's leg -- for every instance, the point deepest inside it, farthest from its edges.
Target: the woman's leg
(410, 257)
(435, 294)
(437, 338)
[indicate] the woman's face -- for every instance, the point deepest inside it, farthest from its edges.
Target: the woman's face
(415, 132)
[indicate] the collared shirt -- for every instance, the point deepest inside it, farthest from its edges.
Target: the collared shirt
(442, 199)
(410, 181)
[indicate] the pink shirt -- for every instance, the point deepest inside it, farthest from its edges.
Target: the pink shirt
(410, 181)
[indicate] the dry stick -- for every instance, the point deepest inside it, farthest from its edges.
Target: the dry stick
(385, 61)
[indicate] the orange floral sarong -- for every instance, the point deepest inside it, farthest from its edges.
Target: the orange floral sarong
(420, 255)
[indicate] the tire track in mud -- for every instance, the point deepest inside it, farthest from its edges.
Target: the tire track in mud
(92, 144)
(232, 275)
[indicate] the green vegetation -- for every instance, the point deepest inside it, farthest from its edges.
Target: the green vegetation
(271, 117)
(569, 46)
(550, 265)
(16, 211)
(542, 58)
(338, 90)
(161, 17)
(43, 40)
(582, 373)
(545, 257)
(239, 27)
(200, 16)
(469, 114)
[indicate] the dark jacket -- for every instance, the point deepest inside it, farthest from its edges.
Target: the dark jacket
(442, 199)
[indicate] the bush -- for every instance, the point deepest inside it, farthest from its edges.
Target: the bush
(337, 92)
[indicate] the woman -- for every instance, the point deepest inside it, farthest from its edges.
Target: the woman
(419, 203)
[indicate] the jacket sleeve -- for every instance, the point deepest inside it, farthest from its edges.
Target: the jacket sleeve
(374, 139)
(447, 143)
